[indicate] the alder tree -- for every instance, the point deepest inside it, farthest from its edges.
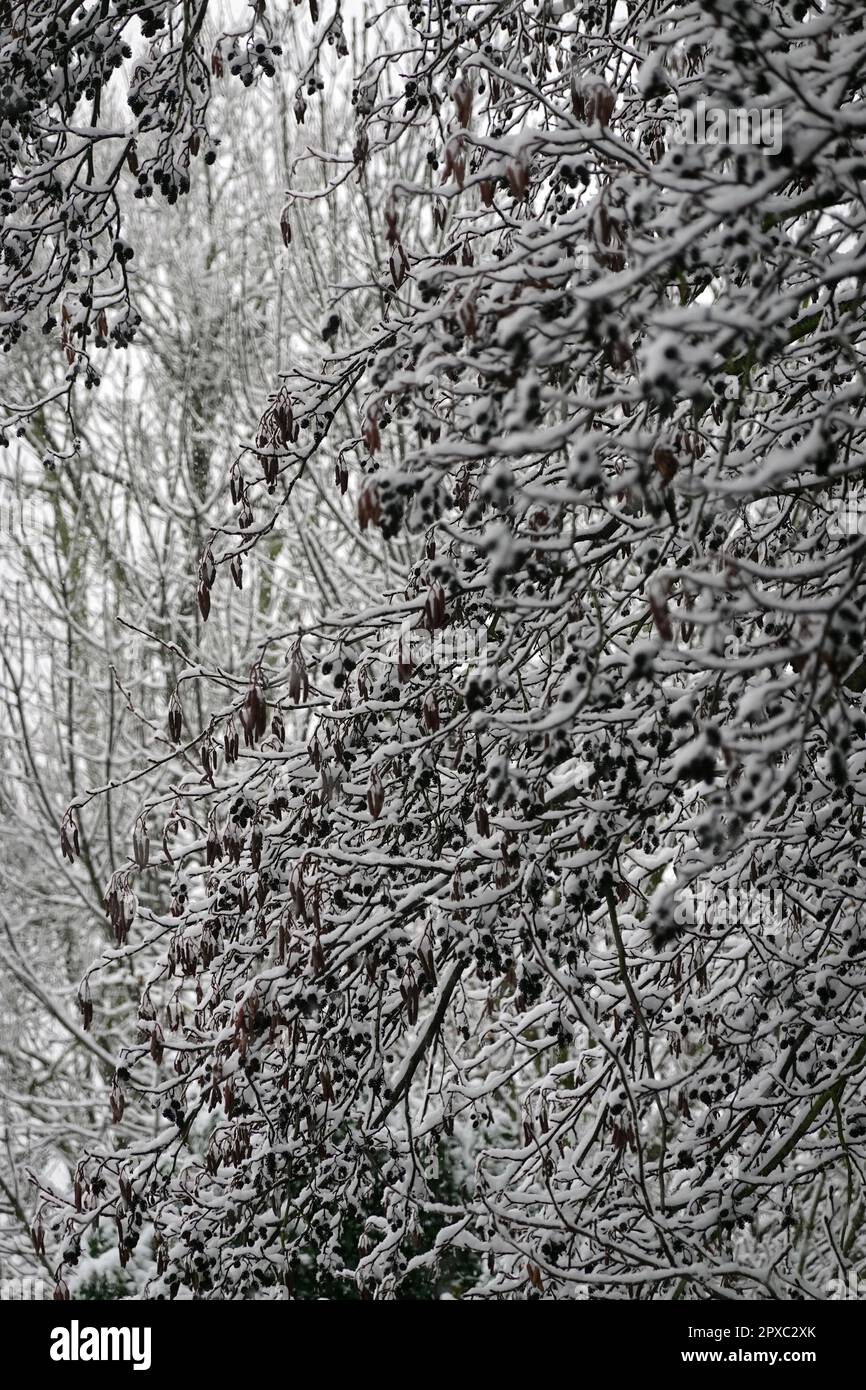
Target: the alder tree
(515, 940)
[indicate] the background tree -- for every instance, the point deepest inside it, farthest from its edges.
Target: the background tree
(546, 877)
(100, 621)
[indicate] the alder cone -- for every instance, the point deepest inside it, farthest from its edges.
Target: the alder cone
(547, 875)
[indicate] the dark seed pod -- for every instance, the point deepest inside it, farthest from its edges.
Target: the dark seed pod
(430, 712)
(375, 795)
(317, 958)
(299, 685)
(116, 1102)
(253, 714)
(175, 718)
(85, 1006)
(434, 608)
(208, 757)
(230, 742)
(236, 483)
(141, 844)
(213, 848)
(369, 506)
(207, 568)
(69, 838)
(256, 842)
